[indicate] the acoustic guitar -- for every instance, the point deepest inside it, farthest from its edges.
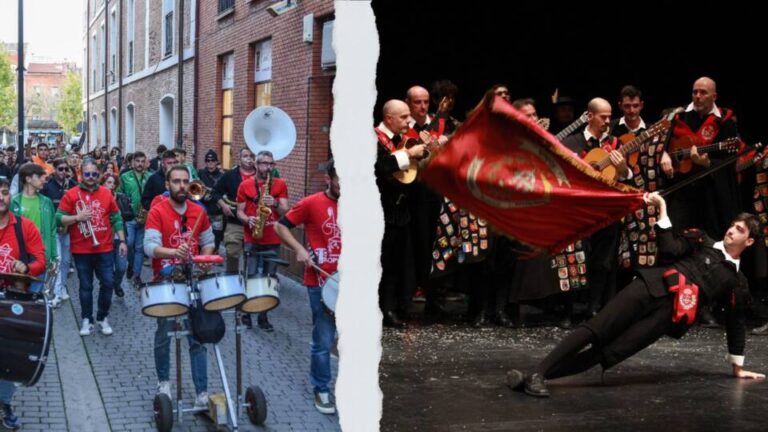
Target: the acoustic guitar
(681, 152)
(571, 128)
(600, 160)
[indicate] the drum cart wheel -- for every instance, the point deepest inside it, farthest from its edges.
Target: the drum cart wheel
(163, 408)
(256, 405)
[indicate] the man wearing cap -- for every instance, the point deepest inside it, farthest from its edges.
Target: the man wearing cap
(209, 176)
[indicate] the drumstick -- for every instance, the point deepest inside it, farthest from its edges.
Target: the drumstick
(325, 273)
(194, 228)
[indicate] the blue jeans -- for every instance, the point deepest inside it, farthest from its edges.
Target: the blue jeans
(323, 334)
(257, 265)
(197, 355)
(121, 263)
(37, 287)
(103, 265)
(135, 240)
(64, 260)
(7, 389)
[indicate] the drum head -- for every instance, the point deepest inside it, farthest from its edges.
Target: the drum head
(168, 310)
(223, 303)
(260, 304)
(330, 293)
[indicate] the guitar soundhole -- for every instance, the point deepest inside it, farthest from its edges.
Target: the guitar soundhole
(595, 166)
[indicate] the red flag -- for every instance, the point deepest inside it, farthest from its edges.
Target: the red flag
(506, 169)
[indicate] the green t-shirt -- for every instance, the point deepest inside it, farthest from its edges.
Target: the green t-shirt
(30, 209)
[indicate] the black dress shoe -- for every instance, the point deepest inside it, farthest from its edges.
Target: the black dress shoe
(392, 320)
(479, 321)
(534, 386)
(503, 320)
(119, 291)
(516, 380)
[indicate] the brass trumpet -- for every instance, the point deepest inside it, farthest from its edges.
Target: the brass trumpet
(86, 229)
(198, 191)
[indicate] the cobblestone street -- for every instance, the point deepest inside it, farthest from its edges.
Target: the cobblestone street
(107, 383)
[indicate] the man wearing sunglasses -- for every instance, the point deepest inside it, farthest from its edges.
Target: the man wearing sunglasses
(275, 197)
(54, 189)
(92, 216)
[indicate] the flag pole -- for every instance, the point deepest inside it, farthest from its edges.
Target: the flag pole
(704, 173)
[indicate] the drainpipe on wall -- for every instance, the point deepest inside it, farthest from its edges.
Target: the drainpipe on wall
(107, 113)
(180, 79)
(119, 65)
(196, 84)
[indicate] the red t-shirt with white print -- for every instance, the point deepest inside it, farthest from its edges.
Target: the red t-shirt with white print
(9, 247)
(317, 213)
(166, 220)
(248, 193)
(102, 203)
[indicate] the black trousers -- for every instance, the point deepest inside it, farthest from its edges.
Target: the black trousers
(398, 273)
(629, 323)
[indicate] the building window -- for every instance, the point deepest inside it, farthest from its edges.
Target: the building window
(113, 45)
(130, 133)
(225, 5)
(131, 33)
(113, 128)
(168, 6)
(103, 56)
(94, 63)
(103, 129)
(227, 108)
(262, 73)
(55, 92)
(166, 121)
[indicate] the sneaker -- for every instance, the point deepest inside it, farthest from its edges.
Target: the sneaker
(10, 421)
(129, 273)
(164, 387)
(71, 270)
(64, 295)
(56, 302)
(201, 401)
(246, 320)
(106, 330)
(137, 281)
(323, 403)
(264, 323)
(87, 327)
(119, 291)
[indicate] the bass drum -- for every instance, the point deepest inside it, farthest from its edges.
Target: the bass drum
(330, 294)
(26, 329)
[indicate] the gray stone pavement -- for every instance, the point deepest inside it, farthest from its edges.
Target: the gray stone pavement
(104, 383)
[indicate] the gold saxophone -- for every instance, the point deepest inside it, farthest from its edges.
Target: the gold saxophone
(263, 212)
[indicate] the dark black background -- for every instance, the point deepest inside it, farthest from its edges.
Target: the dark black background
(586, 49)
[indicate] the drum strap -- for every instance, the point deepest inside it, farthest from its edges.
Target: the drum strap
(23, 257)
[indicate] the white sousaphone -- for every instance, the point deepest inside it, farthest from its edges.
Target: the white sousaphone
(267, 128)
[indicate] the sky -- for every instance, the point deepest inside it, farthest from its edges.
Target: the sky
(53, 29)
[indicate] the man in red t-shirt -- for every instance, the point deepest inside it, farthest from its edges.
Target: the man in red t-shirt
(276, 199)
(92, 215)
(173, 235)
(317, 213)
(11, 261)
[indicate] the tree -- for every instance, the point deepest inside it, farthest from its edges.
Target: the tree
(70, 111)
(7, 92)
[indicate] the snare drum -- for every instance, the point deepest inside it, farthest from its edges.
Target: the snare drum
(220, 291)
(330, 293)
(25, 336)
(164, 299)
(262, 295)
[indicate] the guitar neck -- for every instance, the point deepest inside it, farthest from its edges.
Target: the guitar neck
(572, 127)
(685, 153)
(635, 144)
(742, 165)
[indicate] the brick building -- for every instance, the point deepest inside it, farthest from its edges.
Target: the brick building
(131, 52)
(256, 53)
(238, 54)
(43, 83)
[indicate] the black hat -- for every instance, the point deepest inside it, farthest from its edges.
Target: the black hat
(210, 156)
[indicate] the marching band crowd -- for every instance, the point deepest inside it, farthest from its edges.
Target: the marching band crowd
(103, 213)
